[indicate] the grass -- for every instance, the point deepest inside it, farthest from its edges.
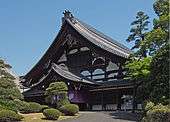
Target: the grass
(39, 117)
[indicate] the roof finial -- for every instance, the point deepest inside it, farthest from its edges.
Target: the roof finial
(67, 14)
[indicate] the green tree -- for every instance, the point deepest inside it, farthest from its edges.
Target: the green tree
(57, 94)
(138, 32)
(138, 70)
(161, 7)
(158, 85)
(159, 35)
(138, 64)
(8, 88)
(157, 42)
(155, 85)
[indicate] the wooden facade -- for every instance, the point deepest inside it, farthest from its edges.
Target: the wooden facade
(90, 63)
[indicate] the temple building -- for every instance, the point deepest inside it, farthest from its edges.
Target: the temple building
(89, 62)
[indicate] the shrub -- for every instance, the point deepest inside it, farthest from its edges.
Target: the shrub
(51, 114)
(8, 105)
(56, 87)
(3, 108)
(158, 113)
(63, 101)
(69, 109)
(28, 107)
(22, 106)
(35, 107)
(43, 107)
(8, 116)
(149, 106)
(56, 94)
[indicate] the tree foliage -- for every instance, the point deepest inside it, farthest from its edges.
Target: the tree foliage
(138, 69)
(55, 88)
(161, 7)
(159, 76)
(138, 31)
(155, 67)
(57, 94)
(158, 85)
(8, 88)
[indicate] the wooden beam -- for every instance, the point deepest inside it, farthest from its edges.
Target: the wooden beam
(113, 88)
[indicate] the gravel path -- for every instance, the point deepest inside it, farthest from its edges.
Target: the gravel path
(104, 117)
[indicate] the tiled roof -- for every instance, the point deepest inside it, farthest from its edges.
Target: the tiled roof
(98, 38)
(68, 75)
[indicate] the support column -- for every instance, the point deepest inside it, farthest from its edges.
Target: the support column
(91, 73)
(120, 72)
(118, 101)
(102, 103)
(134, 98)
(105, 72)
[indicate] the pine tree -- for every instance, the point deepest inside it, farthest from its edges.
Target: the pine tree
(138, 31)
(8, 88)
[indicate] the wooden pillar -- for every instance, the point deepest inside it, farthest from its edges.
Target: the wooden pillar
(120, 72)
(118, 100)
(91, 63)
(102, 101)
(105, 67)
(91, 74)
(134, 98)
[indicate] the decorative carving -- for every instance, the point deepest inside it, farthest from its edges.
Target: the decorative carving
(98, 60)
(95, 54)
(46, 65)
(112, 66)
(68, 38)
(63, 58)
(73, 51)
(54, 78)
(77, 87)
(84, 49)
(71, 41)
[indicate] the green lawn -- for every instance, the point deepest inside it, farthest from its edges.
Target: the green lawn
(39, 117)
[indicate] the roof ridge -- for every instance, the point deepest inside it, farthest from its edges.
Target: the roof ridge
(99, 33)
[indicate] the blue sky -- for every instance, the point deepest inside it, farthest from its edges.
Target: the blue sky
(28, 27)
